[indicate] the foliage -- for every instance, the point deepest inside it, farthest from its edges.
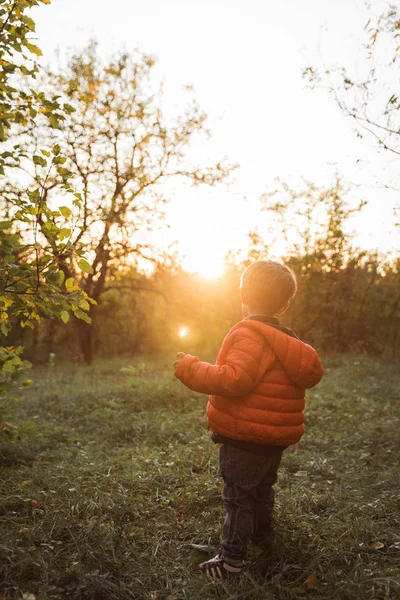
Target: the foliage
(19, 103)
(122, 145)
(12, 379)
(365, 92)
(123, 148)
(348, 298)
(34, 244)
(121, 480)
(34, 237)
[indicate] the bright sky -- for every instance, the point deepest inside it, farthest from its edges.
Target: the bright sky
(244, 59)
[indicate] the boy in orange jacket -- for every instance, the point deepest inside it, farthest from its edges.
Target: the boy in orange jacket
(255, 408)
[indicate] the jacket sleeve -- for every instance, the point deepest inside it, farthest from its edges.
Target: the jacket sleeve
(246, 361)
(313, 369)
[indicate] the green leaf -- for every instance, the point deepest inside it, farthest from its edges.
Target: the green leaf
(69, 109)
(34, 49)
(60, 278)
(5, 328)
(53, 120)
(84, 304)
(85, 267)
(83, 316)
(44, 260)
(64, 233)
(64, 172)
(10, 365)
(39, 160)
(64, 316)
(59, 160)
(65, 211)
(5, 224)
(30, 23)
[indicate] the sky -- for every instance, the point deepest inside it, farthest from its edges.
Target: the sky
(245, 61)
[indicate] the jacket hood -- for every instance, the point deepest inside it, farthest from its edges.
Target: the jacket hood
(300, 361)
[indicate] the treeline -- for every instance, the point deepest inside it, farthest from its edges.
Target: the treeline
(351, 309)
(348, 299)
(102, 150)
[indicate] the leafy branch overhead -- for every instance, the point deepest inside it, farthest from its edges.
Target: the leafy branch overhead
(20, 103)
(34, 236)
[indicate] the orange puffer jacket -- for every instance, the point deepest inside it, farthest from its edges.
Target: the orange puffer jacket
(257, 386)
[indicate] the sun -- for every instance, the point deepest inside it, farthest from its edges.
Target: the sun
(206, 265)
(211, 269)
(183, 332)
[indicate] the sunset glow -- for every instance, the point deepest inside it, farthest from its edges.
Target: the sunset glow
(250, 122)
(212, 269)
(175, 176)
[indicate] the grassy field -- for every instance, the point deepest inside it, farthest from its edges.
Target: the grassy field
(118, 481)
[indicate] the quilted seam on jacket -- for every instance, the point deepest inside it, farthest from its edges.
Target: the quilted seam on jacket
(257, 386)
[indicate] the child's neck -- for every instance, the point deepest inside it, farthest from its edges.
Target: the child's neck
(253, 311)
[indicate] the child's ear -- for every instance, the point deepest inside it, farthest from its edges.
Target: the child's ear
(283, 309)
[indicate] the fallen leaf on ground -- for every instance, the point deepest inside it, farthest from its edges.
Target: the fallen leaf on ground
(311, 582)
(378, 545)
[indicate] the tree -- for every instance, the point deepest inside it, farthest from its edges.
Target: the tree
(123, 148)
(368, 94)
(31, 243)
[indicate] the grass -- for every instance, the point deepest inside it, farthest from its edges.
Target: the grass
(118, 480)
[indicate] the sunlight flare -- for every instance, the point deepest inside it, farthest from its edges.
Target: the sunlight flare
(212, 269)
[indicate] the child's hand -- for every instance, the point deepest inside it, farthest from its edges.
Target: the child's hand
(180, 356)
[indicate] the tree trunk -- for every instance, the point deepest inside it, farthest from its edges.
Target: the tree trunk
(83, 334)
(51, 332)
(35, 341)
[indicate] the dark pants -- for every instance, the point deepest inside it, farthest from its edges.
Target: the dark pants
(248, 498)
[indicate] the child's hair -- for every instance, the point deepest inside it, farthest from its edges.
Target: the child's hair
(269, 285)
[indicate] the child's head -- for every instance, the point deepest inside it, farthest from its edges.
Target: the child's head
(266, 287)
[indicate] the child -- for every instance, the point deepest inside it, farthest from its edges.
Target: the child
(255, 409)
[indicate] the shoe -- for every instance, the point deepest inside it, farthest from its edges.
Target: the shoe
(218, 568)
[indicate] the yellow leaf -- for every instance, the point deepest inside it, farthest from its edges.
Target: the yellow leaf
(65, 211)
(64, 316)
(69, 284)
(378, 545)
(311, 582)
(26, 482)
